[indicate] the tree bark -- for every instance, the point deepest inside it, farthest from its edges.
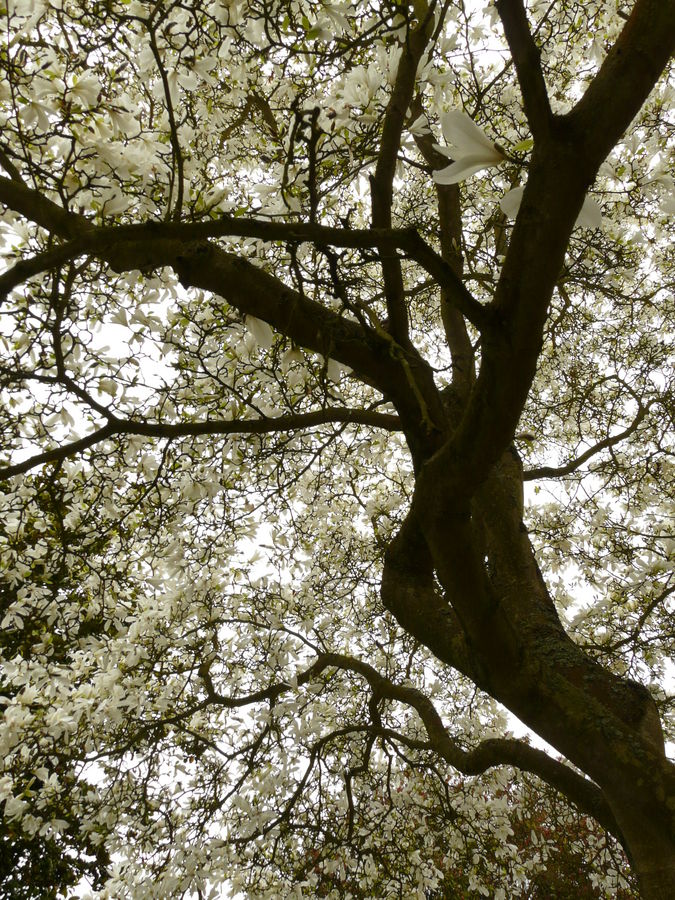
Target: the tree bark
(498, 624)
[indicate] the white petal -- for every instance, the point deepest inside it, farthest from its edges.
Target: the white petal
(419, 126)
(461, 132)
(260, 330)
(333, 370)
(292, 356)
(510, 202)
(590, 215)
(86, 90)
(462, 168)
(114, 204)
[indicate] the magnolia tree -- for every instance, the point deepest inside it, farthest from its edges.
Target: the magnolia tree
(299, 301)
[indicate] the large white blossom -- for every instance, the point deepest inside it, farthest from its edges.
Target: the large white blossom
(467, 145)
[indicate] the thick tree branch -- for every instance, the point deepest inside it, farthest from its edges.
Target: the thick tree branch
(410, 593)
(43, 262)
(397, 373)
(375, 357)
(457, 295)
(9, 167)
(59, 453)
(177, 175)
(450, 234)
(527, 60)
(488, 754)
(564, 164)
(39, 209)
(626, 77)
(171, 432)
(89, 239)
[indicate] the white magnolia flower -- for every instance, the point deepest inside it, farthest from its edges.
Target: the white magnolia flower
(419, 126)
(469, 147)
(668, 205)
(261, 331)
(35, 114)
(589, 217)
(665, 185)
(113, 202)
(14, 808)
(334, 370)
(86, 90)
(293, 356)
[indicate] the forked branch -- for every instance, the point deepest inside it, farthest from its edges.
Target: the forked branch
(487, 754)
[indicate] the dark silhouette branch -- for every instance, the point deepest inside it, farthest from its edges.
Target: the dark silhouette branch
(573, 465)
(88, 239)
(486, 755)
(382, 182)
(629, 72)
(9, 167)
(171, 432)
(177, 176)
(527, 61)
(450, 234)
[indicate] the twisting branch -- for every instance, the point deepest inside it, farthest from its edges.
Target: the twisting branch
(410, 593)
(450, 234)
(59, 453)
(42, 262)
(85, 238)
(626, 77)
(39, 209)
(488, 754)
(9, 167)
(177, 154)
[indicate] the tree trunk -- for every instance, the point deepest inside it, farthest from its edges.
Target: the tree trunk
(650, 844)
(498, 624)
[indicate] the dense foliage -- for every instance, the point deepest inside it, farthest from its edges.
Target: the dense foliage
(323, 444)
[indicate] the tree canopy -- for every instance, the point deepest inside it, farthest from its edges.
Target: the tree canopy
(336, 404)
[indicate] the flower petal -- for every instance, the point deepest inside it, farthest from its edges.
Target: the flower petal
(510, 202)
(261, 331)
(419, 126)
(462, 168)
(590, 215)
(668, 205)
(461, 132)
